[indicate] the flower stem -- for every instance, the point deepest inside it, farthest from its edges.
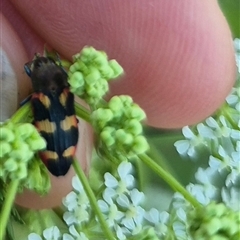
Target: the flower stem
(168, 178)
(22, 113)
(82, 112)
(7, 206)
(92, 200)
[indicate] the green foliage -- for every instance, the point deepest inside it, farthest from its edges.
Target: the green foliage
(18, 144)
(214, 221)
(231, 10)
(89, 74)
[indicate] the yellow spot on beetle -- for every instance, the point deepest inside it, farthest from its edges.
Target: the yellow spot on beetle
(44, 100)
(68, 122)
(46, 126)
(63, 98)
(69, 152)
(50, 155)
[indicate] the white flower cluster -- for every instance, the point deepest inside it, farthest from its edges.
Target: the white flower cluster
(220, 180)
(121, 202)
(78, 209)
(53, 233)
(77, 204)
(121, 205)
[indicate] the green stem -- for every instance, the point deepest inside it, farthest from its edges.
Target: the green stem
(168, 178)
(92, 200)
(22, 113)
(7, 207)
(82, 112)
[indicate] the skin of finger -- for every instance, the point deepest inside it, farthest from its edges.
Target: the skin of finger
(61, 186)
(15, 85)
(31, 41)
(12, 46)
(178, 56)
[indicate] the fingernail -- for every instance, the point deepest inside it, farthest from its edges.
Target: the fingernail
(8, 87)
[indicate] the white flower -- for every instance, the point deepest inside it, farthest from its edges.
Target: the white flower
(34, 236)
(70, 201)
(134, 213)
(75, 235)
(110, 210)
(120, 233)
(198, 191)
(219, 129)
(52, 233)
(231, 197)
(205, 131)
(181, 214)
(233, 98)
(235, 134)
(76, 216)
(77, 204)
(76, 198)
(66, 236)
(180, 230)
(159, 220)
(125, 182)
(187, 146)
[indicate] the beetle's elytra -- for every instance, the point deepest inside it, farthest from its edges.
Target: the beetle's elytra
(53, 112)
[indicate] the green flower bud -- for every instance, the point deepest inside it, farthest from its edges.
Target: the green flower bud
(133, 126)
(6, 134)
(73, 68)
(136, 112)
(76, 80)
(21, 155)
(140, 145)
(20, 173)
(18, 144)
(107, 137)
(101, 60)
(124, 137)
(102, 116)
(117, 69)
(126, 100)
(106, 71)
(86, 54)
(24, 131)
(78, 91)
(115, 104)
(10, 165)
(214, 221)
(5, 148)
(93, 76)
(36, 144)
(96, 70)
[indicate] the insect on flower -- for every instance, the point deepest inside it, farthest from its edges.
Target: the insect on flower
(53, 112)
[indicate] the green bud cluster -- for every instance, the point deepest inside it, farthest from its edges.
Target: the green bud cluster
(118, 125)
(214, 222)
(90, 72)
(18, 143)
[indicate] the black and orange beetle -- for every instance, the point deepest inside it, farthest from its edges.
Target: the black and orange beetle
(53, 113)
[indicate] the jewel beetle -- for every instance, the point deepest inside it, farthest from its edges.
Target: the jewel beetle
(53, 113)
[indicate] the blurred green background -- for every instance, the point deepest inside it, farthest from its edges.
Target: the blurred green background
(231, 10)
